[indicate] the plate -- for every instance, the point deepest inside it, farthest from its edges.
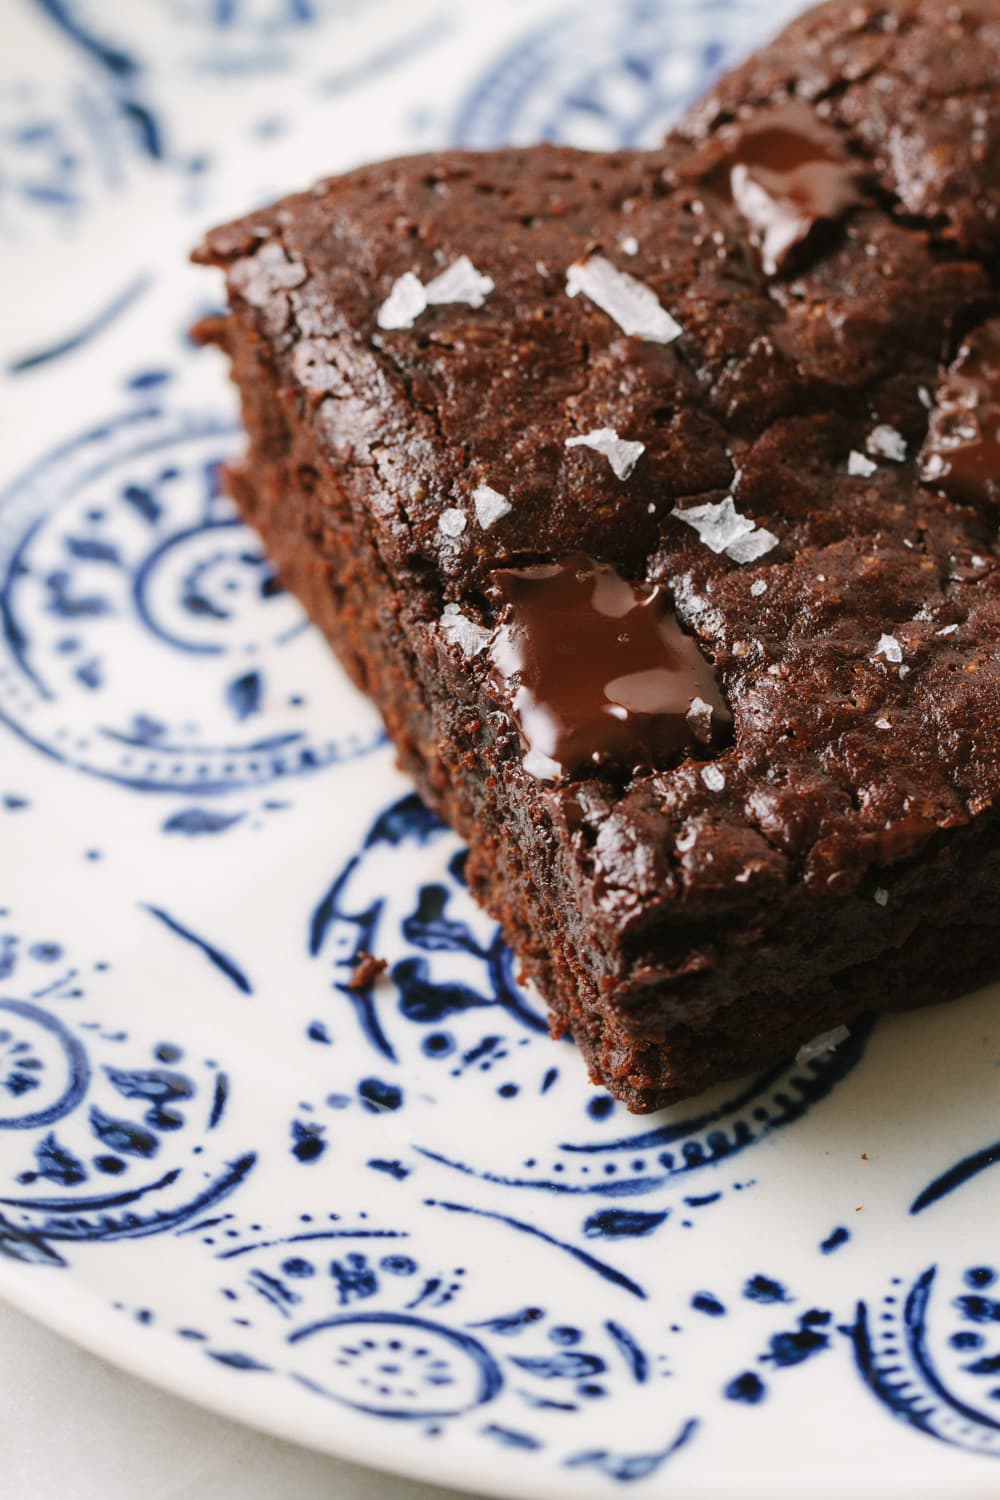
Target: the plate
(391, 1221)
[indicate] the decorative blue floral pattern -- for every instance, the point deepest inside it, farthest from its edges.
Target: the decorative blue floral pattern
(63, 151)
(606, 76)
(394, 1218)
(143, 625)
(931, 1353)
(108, 1138)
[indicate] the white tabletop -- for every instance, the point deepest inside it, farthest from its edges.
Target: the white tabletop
(72, 1424)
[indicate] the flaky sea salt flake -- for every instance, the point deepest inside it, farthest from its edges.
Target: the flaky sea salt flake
(756, 544)
(948, 630)
(827, 1041)
(758, 587)
(721, 527)
(881, 896)
(699, 717)
(404, 304)
(889, 647)
(886, 442)
(490, 505)
(883, 724)
(620, 453)
(713, 778)
(629, 244)
(632, 305)
(463, 632)
(452, 522)
(461, 282)
(860, 467)
(718, 524)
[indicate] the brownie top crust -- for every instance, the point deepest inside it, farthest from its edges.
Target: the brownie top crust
(740, 372)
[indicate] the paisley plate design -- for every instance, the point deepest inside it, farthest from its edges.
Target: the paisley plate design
(390, 1219)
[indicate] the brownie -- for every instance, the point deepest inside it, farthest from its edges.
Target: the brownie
(653, 498)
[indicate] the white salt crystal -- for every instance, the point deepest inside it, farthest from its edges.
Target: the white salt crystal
(883, 724)
(620, 453)
(926, 399)
(827, 1041)
(634, 307)
(629, 244)
(463, 632)
(755, 544)
(490, 505)
(882, 896)
(758, 587)
(461, 282)
(860, 467)
(889, 647)
(718, 525)
(452, 522)
(721, 527)
(948, 630)
(713, 778)
(686, 840)
(886, 442)
(699, 716)
(404, 304)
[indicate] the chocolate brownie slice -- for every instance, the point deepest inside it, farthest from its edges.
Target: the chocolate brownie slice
(653, 497)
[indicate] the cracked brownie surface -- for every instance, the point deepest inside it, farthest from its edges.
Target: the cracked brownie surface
(739, 396)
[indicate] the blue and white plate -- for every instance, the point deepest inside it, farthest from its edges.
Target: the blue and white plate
(393, 1222)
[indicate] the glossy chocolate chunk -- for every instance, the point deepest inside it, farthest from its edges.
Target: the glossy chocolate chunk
(785, 172)
(603, 674)
(961, 456)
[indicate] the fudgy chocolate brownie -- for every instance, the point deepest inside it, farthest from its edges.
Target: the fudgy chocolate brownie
(653, 497)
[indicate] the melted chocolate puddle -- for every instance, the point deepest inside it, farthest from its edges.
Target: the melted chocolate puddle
(602, 673)
(961, 456)
(785, 172)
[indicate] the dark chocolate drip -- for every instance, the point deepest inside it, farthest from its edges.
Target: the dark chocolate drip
(961, 456)
(602, 673)
(786, 172)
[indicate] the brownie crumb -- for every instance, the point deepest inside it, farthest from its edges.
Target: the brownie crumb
(366, 970)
